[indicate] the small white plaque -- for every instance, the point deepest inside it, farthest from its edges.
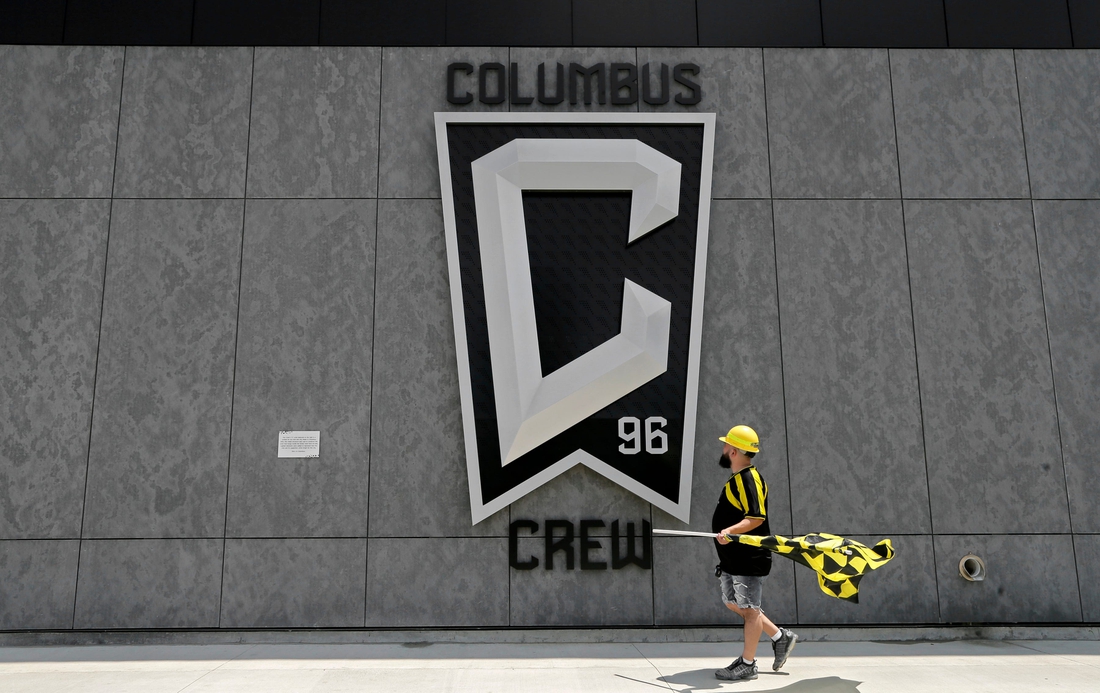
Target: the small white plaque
(299, 443)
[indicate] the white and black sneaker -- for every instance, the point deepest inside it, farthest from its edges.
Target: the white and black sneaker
(783, 648)
(738, 671)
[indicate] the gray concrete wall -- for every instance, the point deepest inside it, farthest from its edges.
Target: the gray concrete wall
(204, 246)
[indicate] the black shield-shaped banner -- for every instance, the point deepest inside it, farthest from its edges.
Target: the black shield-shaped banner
(577, 248)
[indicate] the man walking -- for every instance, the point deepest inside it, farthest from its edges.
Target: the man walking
(743, 509)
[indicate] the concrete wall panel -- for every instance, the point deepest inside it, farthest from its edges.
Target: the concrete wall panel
(51, 281)
(854, 428)
(314, 126)
(733, 88)
(1086, 549)
(293, 583)
(58, 120)
(902, 591)
(160, 434)
(1060, 99)
(414, 87)
(184, 125)
(581, 494)
(444, 582)
(1030, 579)
(149, 583)
(418, 460)
(740, 370)
(1069, 254)
(303, 363)
(994, 459)
(831, 123)
(561, 597)
(37, 584)
(958, 124)
(686, 591)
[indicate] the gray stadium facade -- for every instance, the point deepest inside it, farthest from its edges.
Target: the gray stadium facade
(203, 246)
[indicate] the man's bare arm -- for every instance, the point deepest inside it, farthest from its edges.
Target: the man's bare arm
(746, 525)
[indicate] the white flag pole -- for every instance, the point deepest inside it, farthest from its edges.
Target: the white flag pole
(684, 533)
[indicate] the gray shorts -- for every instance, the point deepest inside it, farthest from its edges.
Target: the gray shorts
(743, 590)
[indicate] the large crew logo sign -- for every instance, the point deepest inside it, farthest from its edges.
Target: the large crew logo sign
(576, 246)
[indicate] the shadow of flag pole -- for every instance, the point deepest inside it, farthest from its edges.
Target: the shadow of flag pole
(840, 563)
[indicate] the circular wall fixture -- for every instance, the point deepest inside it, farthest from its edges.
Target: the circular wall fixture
(972, 568)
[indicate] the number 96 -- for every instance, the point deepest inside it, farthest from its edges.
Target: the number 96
(630, 430)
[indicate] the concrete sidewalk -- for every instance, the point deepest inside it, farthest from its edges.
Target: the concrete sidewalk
(815, 667)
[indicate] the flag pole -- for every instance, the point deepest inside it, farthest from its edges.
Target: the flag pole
(685, 533)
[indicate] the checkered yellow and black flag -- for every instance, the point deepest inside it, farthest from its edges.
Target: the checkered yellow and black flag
(839, 563)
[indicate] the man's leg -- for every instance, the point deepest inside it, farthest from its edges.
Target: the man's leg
(755, 623)
(783, 641)
(753, 627)
(732, 593)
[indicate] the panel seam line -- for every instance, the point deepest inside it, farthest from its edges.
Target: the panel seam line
(1046, 330)
(237, 331)
(778, 309)
(99, 336)
(373, 323)
(913, 328)
(1042, 293)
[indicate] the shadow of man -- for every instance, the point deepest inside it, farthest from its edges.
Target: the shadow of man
(703, 680)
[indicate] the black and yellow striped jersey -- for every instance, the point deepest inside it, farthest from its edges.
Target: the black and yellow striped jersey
(744, 495)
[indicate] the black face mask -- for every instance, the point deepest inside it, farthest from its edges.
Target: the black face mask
(724, 462)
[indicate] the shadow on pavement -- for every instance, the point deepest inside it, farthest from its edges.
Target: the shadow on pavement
(703, 680)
